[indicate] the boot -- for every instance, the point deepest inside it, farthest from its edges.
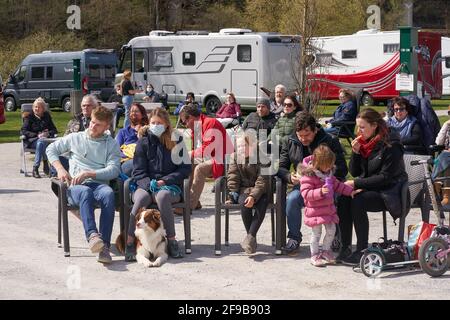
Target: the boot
(445, 196)
(36, 172)
(46, 168)
(437, 187)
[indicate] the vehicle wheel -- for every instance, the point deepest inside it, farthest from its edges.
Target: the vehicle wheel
(367, 100)
(371, 263)
(10, 104)
(212, 105)
(66, 104)
(429, 262)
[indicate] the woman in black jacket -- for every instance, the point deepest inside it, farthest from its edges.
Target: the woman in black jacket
(377, 165)
(158, 177)
(36, 128)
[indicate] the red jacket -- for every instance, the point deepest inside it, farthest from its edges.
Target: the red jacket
(232, 110)
(209, 148)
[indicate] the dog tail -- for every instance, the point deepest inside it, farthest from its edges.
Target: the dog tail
(120, 243)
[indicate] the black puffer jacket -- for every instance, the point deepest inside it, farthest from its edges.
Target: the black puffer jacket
(293, 152)
(254, 121)
(383, 171)
(32, 126)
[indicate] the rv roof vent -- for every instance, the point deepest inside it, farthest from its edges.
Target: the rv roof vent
(160, 33)
(192, 32)
(51, 51)
(368, 31)
(234, 31)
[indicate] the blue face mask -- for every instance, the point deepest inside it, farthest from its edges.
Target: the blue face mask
(157, 129)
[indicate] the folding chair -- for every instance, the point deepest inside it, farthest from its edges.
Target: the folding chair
(25, 110)
(60, 189)
(185, 204)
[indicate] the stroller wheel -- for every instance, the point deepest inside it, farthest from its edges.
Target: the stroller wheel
(430, 261)
(371, 263)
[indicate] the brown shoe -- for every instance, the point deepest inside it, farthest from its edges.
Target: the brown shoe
(198, 206)
(178, 211)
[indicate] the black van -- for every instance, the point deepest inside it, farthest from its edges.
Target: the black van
(50, 75)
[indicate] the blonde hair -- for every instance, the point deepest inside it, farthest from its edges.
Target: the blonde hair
(126, 74)
(40, 101)
(166, 137)
(102, 113)
(323, 157)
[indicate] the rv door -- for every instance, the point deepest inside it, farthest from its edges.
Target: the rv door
(244, 84)
(140, 68)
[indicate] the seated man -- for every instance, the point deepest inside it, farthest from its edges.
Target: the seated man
(210, 145)
(347, 111)
(190, 99)
(277, 104)
(94, 161)
(262, 119)
(80, 122)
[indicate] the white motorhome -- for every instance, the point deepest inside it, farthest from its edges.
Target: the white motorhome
(445, 66)
(369, 60)
(212, 64)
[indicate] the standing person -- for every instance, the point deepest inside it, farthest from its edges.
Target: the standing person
(277, 104)
(229, 111)
(407, 126)
(377, 165)
(128, 137)
(286, 123)
(210, 144)
(248, 187)
(158, 177)
(307, 137)
(346, 111)
(94, 161)
(317, 186)
(36, 127)
(128, 92)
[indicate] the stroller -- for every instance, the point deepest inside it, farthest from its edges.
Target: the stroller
(433, 253)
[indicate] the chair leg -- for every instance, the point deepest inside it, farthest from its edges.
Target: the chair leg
(65, 221)
(187, 228)
(272, 224)
(280, 221)
(384, 225)
(227, 227)
(217, 249)
(59, 224)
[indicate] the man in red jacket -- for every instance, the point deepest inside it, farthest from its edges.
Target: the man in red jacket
(210, 144)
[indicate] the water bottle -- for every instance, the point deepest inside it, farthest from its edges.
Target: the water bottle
(329, 184)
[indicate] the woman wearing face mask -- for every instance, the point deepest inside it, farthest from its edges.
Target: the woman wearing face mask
(158, 178)
(150, 94)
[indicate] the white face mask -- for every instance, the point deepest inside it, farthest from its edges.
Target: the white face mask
(157, 129)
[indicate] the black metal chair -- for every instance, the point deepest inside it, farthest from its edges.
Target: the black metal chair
(60, 190)
(184, 204)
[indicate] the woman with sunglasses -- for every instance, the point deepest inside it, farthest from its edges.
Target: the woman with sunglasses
(286, 123)
(407, 126)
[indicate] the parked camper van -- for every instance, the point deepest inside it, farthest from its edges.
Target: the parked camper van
(369, 60)
(50, 75)
(211, 64)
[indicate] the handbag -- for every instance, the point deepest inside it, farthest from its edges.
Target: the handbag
(417, 234)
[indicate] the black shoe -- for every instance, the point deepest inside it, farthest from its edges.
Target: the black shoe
(174, 250)
(36, 172)
(130, 252)
(343, 253)
(353, 259)
(46, 168)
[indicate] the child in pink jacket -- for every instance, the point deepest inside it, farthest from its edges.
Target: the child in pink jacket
(317, 186)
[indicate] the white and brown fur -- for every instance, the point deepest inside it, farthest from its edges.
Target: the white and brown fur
(150, 241)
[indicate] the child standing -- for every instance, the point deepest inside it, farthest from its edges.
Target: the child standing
(317, 186)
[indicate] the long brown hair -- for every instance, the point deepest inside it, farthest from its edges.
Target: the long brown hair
(372, 117)
(167, 135)
(144, 120)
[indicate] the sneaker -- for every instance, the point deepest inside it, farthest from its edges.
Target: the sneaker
(130, 252)
(245, 244)
(96, 243)
(317, 261)
(174, 250)
(328, 257)
(353, 259)
(104, 256)
(291, 246)
(343, 253)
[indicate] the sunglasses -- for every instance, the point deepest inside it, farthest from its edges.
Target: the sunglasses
(290, 105)
(399, 109)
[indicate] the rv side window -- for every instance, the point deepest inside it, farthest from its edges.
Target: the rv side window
(162, 59)
(20, 74)
(244, 53)
(349, 54)
(189, 58)
(37, 73)
(139, 60)
(447, 62)
(110, 71)
(94, 70)
(49, 74)
(391, 47)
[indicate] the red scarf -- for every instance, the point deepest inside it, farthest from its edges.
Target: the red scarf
(367, 146)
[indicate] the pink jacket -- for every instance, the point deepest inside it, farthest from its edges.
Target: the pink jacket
(319, 208)
(232, 110)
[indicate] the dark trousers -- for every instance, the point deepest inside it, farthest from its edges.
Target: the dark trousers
(253, 220)
(354, 211)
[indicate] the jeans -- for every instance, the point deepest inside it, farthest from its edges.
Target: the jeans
(127, 102)
(86, 196)
(294, 204)
(127, 167)
(331, 130)
(40, 146)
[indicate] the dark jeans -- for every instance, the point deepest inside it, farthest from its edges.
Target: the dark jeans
(253, 220)
(354, 211)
